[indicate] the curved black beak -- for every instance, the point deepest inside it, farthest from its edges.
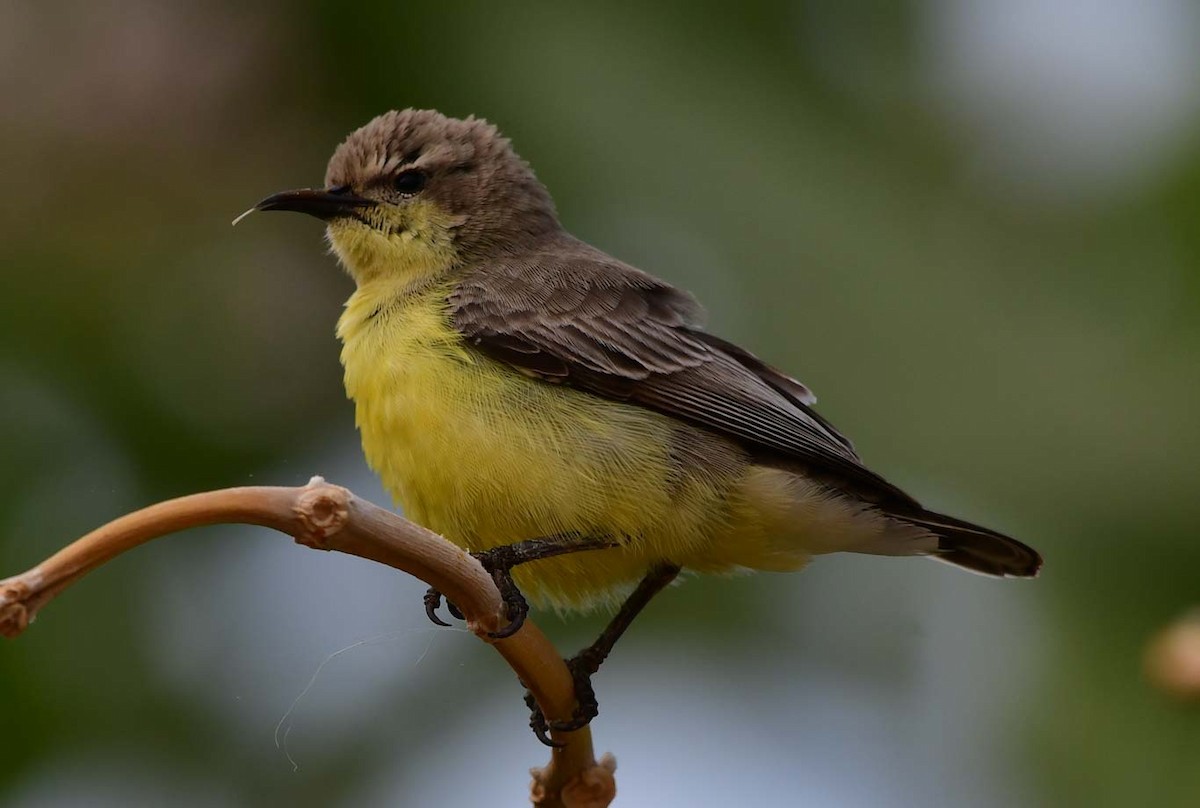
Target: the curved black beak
(325, 204)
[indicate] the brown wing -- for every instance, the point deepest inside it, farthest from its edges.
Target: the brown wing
(570, 314)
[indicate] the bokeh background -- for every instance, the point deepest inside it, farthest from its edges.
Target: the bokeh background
(970, 226)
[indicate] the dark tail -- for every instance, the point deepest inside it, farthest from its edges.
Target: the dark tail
(977, 548)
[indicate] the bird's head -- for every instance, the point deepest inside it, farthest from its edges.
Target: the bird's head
(414, 194)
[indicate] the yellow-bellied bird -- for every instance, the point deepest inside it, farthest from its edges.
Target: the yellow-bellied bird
(528, 396)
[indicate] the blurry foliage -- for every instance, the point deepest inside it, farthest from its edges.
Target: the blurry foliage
(1032, 363)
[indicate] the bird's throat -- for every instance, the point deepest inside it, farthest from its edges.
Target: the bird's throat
(413, 247)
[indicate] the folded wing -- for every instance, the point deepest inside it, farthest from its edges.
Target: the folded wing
(570, 314)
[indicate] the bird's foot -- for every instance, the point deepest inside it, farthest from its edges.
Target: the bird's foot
(581, 666)
(498, 562)
(433, 600)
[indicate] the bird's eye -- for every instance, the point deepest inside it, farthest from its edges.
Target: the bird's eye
(409, 182)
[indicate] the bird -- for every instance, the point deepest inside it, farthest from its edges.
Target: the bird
(565, 416)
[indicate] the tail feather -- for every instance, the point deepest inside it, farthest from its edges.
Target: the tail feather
(977, 548)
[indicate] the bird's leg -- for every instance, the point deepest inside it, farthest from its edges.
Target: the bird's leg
(499, 562)
(588, 661)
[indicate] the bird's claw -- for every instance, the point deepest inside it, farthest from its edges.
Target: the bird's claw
(586, 705)
(433, 599)
(538, 723)
(499, 565)
(516, 608)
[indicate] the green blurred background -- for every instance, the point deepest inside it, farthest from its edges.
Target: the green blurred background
(971, 227)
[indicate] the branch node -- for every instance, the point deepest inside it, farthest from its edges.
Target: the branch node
(14, 617)
(594, 787)
(16, 612)
(323, 510)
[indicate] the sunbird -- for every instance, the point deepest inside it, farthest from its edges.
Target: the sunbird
(548, 407)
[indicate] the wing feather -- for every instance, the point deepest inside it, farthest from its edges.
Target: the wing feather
(570, 314)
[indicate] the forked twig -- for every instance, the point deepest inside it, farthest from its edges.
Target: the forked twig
(328, 517)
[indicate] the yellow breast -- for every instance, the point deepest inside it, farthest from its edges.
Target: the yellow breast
(486, 456)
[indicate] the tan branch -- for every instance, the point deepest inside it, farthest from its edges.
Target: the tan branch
(329, 517)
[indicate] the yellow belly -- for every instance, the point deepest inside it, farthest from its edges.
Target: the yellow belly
(487, 456)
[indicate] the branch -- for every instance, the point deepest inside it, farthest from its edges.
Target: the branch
(329, 517)
(1171, 660)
